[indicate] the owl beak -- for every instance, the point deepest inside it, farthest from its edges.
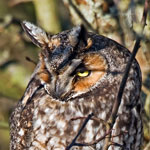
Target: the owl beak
(63, 88)
(60, 94)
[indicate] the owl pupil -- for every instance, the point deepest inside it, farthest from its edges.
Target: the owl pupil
(82, 71)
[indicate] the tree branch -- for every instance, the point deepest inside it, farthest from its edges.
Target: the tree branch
(116, 105)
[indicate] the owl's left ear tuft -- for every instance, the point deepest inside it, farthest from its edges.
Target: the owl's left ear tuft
(78, 34)
(36, 34)
(83, 34)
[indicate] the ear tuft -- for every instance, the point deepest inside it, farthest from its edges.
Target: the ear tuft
(36, 34)
(78, 33)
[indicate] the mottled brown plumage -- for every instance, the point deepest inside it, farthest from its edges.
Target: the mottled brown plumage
(78, 73)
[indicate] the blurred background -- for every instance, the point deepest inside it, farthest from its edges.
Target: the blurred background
(119, 20)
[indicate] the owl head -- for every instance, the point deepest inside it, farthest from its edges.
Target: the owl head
(76, 62)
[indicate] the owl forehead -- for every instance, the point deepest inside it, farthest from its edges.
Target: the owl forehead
(60, 56)
(61, 50)
(59, 39)
(65, 38)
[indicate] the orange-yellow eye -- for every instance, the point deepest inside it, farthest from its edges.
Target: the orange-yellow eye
(83, 74)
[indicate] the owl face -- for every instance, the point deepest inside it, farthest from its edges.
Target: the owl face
(70, 67)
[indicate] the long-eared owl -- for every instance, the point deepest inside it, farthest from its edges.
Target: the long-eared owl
(78, 73)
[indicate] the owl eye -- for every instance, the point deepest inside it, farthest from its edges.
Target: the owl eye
(83, 73)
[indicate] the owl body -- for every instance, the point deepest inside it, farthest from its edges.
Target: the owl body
(78, 73)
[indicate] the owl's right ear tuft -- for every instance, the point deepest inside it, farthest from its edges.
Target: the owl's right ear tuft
(83, 34)
(78, 34)
(36, 34)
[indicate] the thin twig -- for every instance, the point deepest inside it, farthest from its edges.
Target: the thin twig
(79, 132)
(93, 118)
(144, 17)
(85, 22)
(99, 139)
(30, 60)
(96, 141)
(74, 143)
